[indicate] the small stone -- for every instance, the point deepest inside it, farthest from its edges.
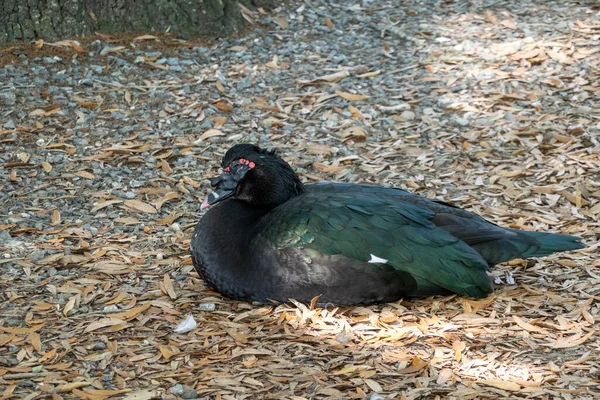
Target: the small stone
(27, 384)
(407, 115)
(177, 389)
(37, 255)
(4, 237)
(110, 309)
(207, 307)
(8, 98)
(344, 337)
(244, 83)
(485, 75)
(10, 124)
(189, 393)
(459, 121)
(99, 346)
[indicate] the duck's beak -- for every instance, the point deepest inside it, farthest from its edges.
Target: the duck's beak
(224, 185)
(215, 197)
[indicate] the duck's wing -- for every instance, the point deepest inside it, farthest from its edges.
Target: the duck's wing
(494, 243)
(370, 230)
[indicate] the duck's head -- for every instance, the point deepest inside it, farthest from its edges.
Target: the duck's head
(256, 176)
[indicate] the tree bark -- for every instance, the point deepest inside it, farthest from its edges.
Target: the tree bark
(59, 19)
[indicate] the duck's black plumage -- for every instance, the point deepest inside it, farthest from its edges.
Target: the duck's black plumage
(270, 237)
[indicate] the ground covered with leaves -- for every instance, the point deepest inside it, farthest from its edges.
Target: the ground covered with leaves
(107, 145)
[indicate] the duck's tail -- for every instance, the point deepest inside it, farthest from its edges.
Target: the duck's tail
(548, 243)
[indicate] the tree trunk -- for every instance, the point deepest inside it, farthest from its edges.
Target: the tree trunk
(59, 19)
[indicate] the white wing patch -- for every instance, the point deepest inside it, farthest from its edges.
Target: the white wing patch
(377, 260)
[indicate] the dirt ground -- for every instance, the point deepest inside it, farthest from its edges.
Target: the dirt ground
(107, 145)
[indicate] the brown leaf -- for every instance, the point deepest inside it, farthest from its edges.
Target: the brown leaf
(336, 77)
(55, 220)
(163, 67)
(560, 57)
(103, 323)
(46, 166)
(351, 97)
(209, 133)
(104, 204)
(354, 132)
(571, 341)
(528, 327)
(143, 394)
(223, 106)
(328, 23)
(168, 351)
(321, 149)
(168, 284)
(282, 22)
(140, 206)
(167, 197)
(509, 24)
(164, 165)
(70, 305)
(218, 122)
(131, 314)
(504, 385)
(112, 267)
(489, 15)
(34, 339)
(327, 168)
(70, 386)
(144, 37)
(85, 174)
(238, 48)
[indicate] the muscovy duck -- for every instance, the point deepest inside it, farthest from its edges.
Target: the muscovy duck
(268, 236)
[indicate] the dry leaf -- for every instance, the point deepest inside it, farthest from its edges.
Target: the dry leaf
(168, 351)
(504, 385)
(321, 149)
(34, 339)
(327, 168)
(328, 23)
(336, 77)
(571, 341)
(209, 133)
(354, 132)
(70, 305)
(55, 220)
(509, 24)
(489, 15)
(164, 165)
(104, 204)
(103, 323)
(351, 97)
(168, 284)
(140, 206)
(282, 22)
(131, 314)
(144, 37)
(221, 105)
(112, 267)
(85, 174)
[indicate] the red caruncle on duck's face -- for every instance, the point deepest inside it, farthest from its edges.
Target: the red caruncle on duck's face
(241, 161)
